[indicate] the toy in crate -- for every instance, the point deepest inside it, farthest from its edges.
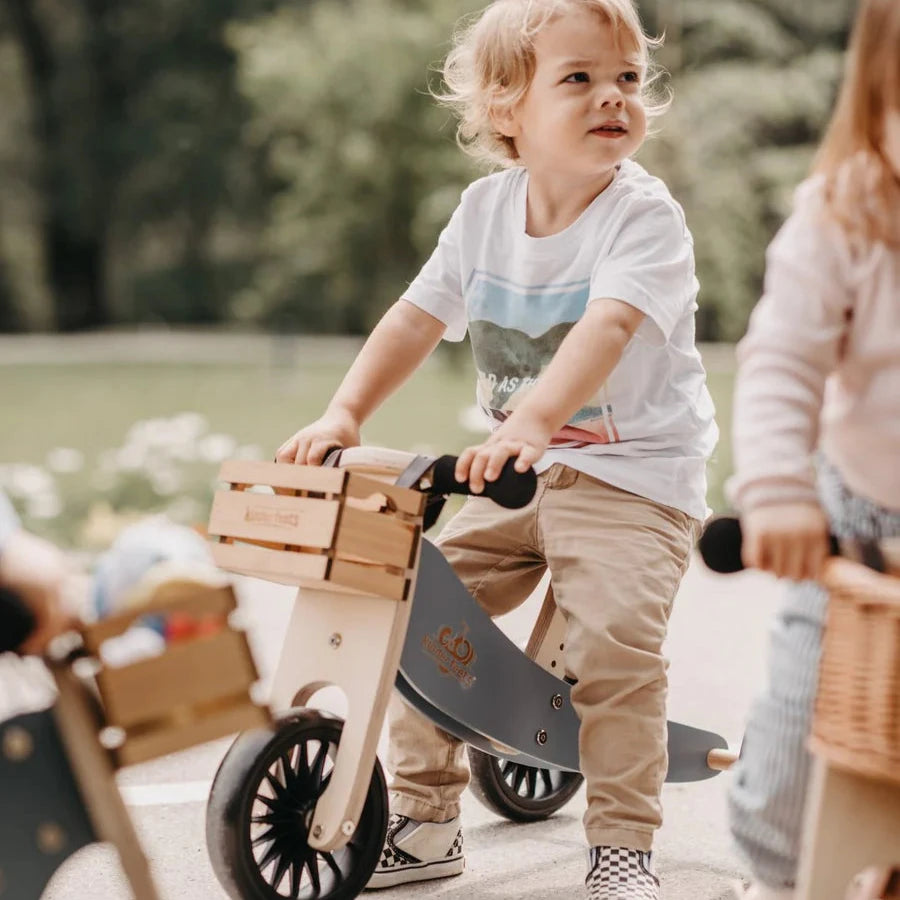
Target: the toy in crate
(164, 669)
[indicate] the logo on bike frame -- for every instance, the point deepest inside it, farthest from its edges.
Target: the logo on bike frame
(453, 652)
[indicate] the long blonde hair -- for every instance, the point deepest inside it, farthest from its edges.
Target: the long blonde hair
(862, 188)
(492, 63)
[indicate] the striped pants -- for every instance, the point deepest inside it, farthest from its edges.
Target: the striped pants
(769, 788)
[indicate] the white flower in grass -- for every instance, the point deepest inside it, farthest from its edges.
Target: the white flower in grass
(190, 425)
(30, 481)
(103, 479)
(248, 451)
(65, 460)
(131, 458)
(45, 505)
(473, 418)
(186, 509)
(144, 432)
(165, 481)
(216, 447)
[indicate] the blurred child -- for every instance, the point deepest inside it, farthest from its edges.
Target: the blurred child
(819, 371)
(34, 572)
(572, 270)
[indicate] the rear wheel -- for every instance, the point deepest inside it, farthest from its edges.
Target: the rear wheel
(518, 792)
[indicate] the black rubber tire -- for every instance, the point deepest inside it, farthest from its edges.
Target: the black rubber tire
(258, 761)
(517, 792)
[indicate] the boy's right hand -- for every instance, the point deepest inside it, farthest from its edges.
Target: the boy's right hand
(308, 447)
(790, 540)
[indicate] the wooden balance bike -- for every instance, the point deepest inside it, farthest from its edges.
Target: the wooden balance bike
(57, 767)
(853, 814)
(300, 810)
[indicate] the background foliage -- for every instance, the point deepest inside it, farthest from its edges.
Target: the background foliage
(281, 165)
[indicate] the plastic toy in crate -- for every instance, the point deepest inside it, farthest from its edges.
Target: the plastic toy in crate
(192, 688)
(163, 671)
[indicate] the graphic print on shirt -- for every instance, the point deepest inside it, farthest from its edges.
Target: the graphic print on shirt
(515, 331)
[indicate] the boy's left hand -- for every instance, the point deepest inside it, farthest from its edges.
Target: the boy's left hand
(526, 439)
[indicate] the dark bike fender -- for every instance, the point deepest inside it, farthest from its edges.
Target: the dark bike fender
(462, 671)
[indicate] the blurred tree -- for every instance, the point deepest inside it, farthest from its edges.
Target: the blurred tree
(367, 162)
(752, 93)
(138, 157)
(281, 163)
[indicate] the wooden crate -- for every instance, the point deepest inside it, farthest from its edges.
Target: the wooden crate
(307, 525)
(196, 691)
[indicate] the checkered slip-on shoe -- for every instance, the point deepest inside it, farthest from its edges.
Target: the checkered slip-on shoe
(418, 851)
(619, 873)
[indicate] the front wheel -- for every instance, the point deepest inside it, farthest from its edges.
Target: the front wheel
(261, 806)
(518, 792)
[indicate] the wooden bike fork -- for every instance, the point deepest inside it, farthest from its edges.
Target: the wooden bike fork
(353, 641)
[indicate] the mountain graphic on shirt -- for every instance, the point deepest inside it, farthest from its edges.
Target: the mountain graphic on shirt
(515, 331)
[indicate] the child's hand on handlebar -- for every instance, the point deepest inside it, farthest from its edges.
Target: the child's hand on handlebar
(524, 439)
(337, 428)
(788, 539)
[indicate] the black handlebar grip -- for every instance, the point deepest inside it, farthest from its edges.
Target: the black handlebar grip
(512, 489)
(720, 545)
(17, 621)
(721, 541)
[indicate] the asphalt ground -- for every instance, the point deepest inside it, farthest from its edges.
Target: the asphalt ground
(717, 648)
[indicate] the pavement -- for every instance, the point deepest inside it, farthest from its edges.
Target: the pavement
(717, 648)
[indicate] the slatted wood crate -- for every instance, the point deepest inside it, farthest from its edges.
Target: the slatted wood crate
(196, 691)
(314, 526)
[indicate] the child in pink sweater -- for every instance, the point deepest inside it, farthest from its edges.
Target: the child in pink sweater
(817, 422)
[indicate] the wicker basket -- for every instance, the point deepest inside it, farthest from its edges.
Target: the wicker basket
(857, 717)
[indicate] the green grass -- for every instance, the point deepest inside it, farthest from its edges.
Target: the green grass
(90, 407)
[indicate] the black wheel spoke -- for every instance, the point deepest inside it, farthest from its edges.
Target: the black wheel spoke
(270, 818)
(521, 776)
(302, 760)
(266, 837)
(287, 770)
(296, 876)
(281, 868)
(318, 767)
(271, 802)
(332, 864)
(312, 866)
(269, 856)
(547, 778)
(276, 786)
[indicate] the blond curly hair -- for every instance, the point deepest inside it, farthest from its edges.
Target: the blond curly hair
(493, 61)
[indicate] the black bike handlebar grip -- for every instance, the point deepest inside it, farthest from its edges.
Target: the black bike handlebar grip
(512, 489)
(17, 621)
(720, 545)
(332, 456)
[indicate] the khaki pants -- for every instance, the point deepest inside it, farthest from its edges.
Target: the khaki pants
(616, 561)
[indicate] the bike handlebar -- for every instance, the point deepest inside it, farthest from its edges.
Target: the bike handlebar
(435, 476)
(511, 489)
(18, 621)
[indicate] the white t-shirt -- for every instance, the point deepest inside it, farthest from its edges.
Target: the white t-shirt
(650, 428)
